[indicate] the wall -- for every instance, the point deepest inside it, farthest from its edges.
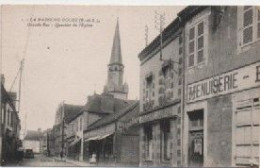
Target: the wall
(153, 65)
(219, 131)
(128, 146)
(223, 54)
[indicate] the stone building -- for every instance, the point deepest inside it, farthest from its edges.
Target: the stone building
(212, 117)
(222, 114)
(64, 114)
(10, 125)
(114, 138)
(160, 99)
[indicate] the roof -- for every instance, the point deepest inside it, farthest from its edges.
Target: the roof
(183, 16)
(116, 57)
(128, 112)
(105, 104)
(71, 111)
(33, 135)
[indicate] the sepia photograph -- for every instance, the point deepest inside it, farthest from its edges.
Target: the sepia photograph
(129, 86)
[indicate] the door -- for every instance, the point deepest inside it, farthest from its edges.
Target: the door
(196, 140)
(196, 148)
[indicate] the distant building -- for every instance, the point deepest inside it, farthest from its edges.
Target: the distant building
(114, 139)
(64, 114)
(34, 140)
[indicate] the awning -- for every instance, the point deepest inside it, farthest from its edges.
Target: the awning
(104, 136)
(92, 138)
(99, 137)
(74, 142)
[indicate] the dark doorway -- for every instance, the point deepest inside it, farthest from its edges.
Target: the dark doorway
(196, 140)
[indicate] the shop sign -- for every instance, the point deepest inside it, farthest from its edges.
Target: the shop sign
(159, 114)
(237, 80)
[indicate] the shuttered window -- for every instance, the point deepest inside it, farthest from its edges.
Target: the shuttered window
(249, 25)
(247, 119)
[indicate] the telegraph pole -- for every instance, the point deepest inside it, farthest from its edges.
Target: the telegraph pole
(146, 35)
(62, 131)
(20, 83)
(115, 134)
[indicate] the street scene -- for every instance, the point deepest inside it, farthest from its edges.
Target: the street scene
(138, 86)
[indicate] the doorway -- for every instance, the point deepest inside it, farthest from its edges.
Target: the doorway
(196, 138)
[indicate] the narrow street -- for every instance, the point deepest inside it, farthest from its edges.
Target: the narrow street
(41, 160)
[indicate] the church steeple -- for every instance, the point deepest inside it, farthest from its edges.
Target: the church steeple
(115, 84)
(116, 57)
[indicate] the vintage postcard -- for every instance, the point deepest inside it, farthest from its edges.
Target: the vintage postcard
(141, 86)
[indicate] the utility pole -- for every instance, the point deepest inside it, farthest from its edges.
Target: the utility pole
(62, 131)
(20, 83)
(146, 35)
(115, 134)
(159, 23)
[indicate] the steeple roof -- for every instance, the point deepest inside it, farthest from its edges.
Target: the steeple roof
(116, 57)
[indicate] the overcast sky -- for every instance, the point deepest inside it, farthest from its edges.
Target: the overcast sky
(69, 63)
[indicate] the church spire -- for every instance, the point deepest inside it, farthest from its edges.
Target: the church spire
(116, 57)
(115, 84)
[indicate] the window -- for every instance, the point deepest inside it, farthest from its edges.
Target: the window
(149, 87)
(247, 131)
(257, 73)
(196, 47)
(165, 140)
(250, 25)
(148, 142)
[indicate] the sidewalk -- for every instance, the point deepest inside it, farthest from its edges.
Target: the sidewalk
(74, 162)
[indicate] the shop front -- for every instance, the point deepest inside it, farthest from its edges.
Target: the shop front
(160, 137)
(222, 114)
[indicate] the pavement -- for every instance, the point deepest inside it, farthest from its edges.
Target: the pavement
(44, 161)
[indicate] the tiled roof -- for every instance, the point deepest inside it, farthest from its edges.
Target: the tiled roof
(129, 111)
(105, 104)
(33, 135)
(71, 111)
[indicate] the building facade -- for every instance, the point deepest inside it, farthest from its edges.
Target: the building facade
(217, 86)
(64, 114)
(114, 139)
(221, 119)
(161, 76)
(10, 125)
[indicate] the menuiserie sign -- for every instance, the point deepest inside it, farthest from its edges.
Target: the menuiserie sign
(240, 79)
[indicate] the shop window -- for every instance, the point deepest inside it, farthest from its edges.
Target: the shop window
(148, 142)
(249, 25)
(165, 145)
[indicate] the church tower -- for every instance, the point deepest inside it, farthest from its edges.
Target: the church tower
(115, 84)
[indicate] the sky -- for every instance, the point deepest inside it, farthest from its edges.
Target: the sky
(70, 63)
